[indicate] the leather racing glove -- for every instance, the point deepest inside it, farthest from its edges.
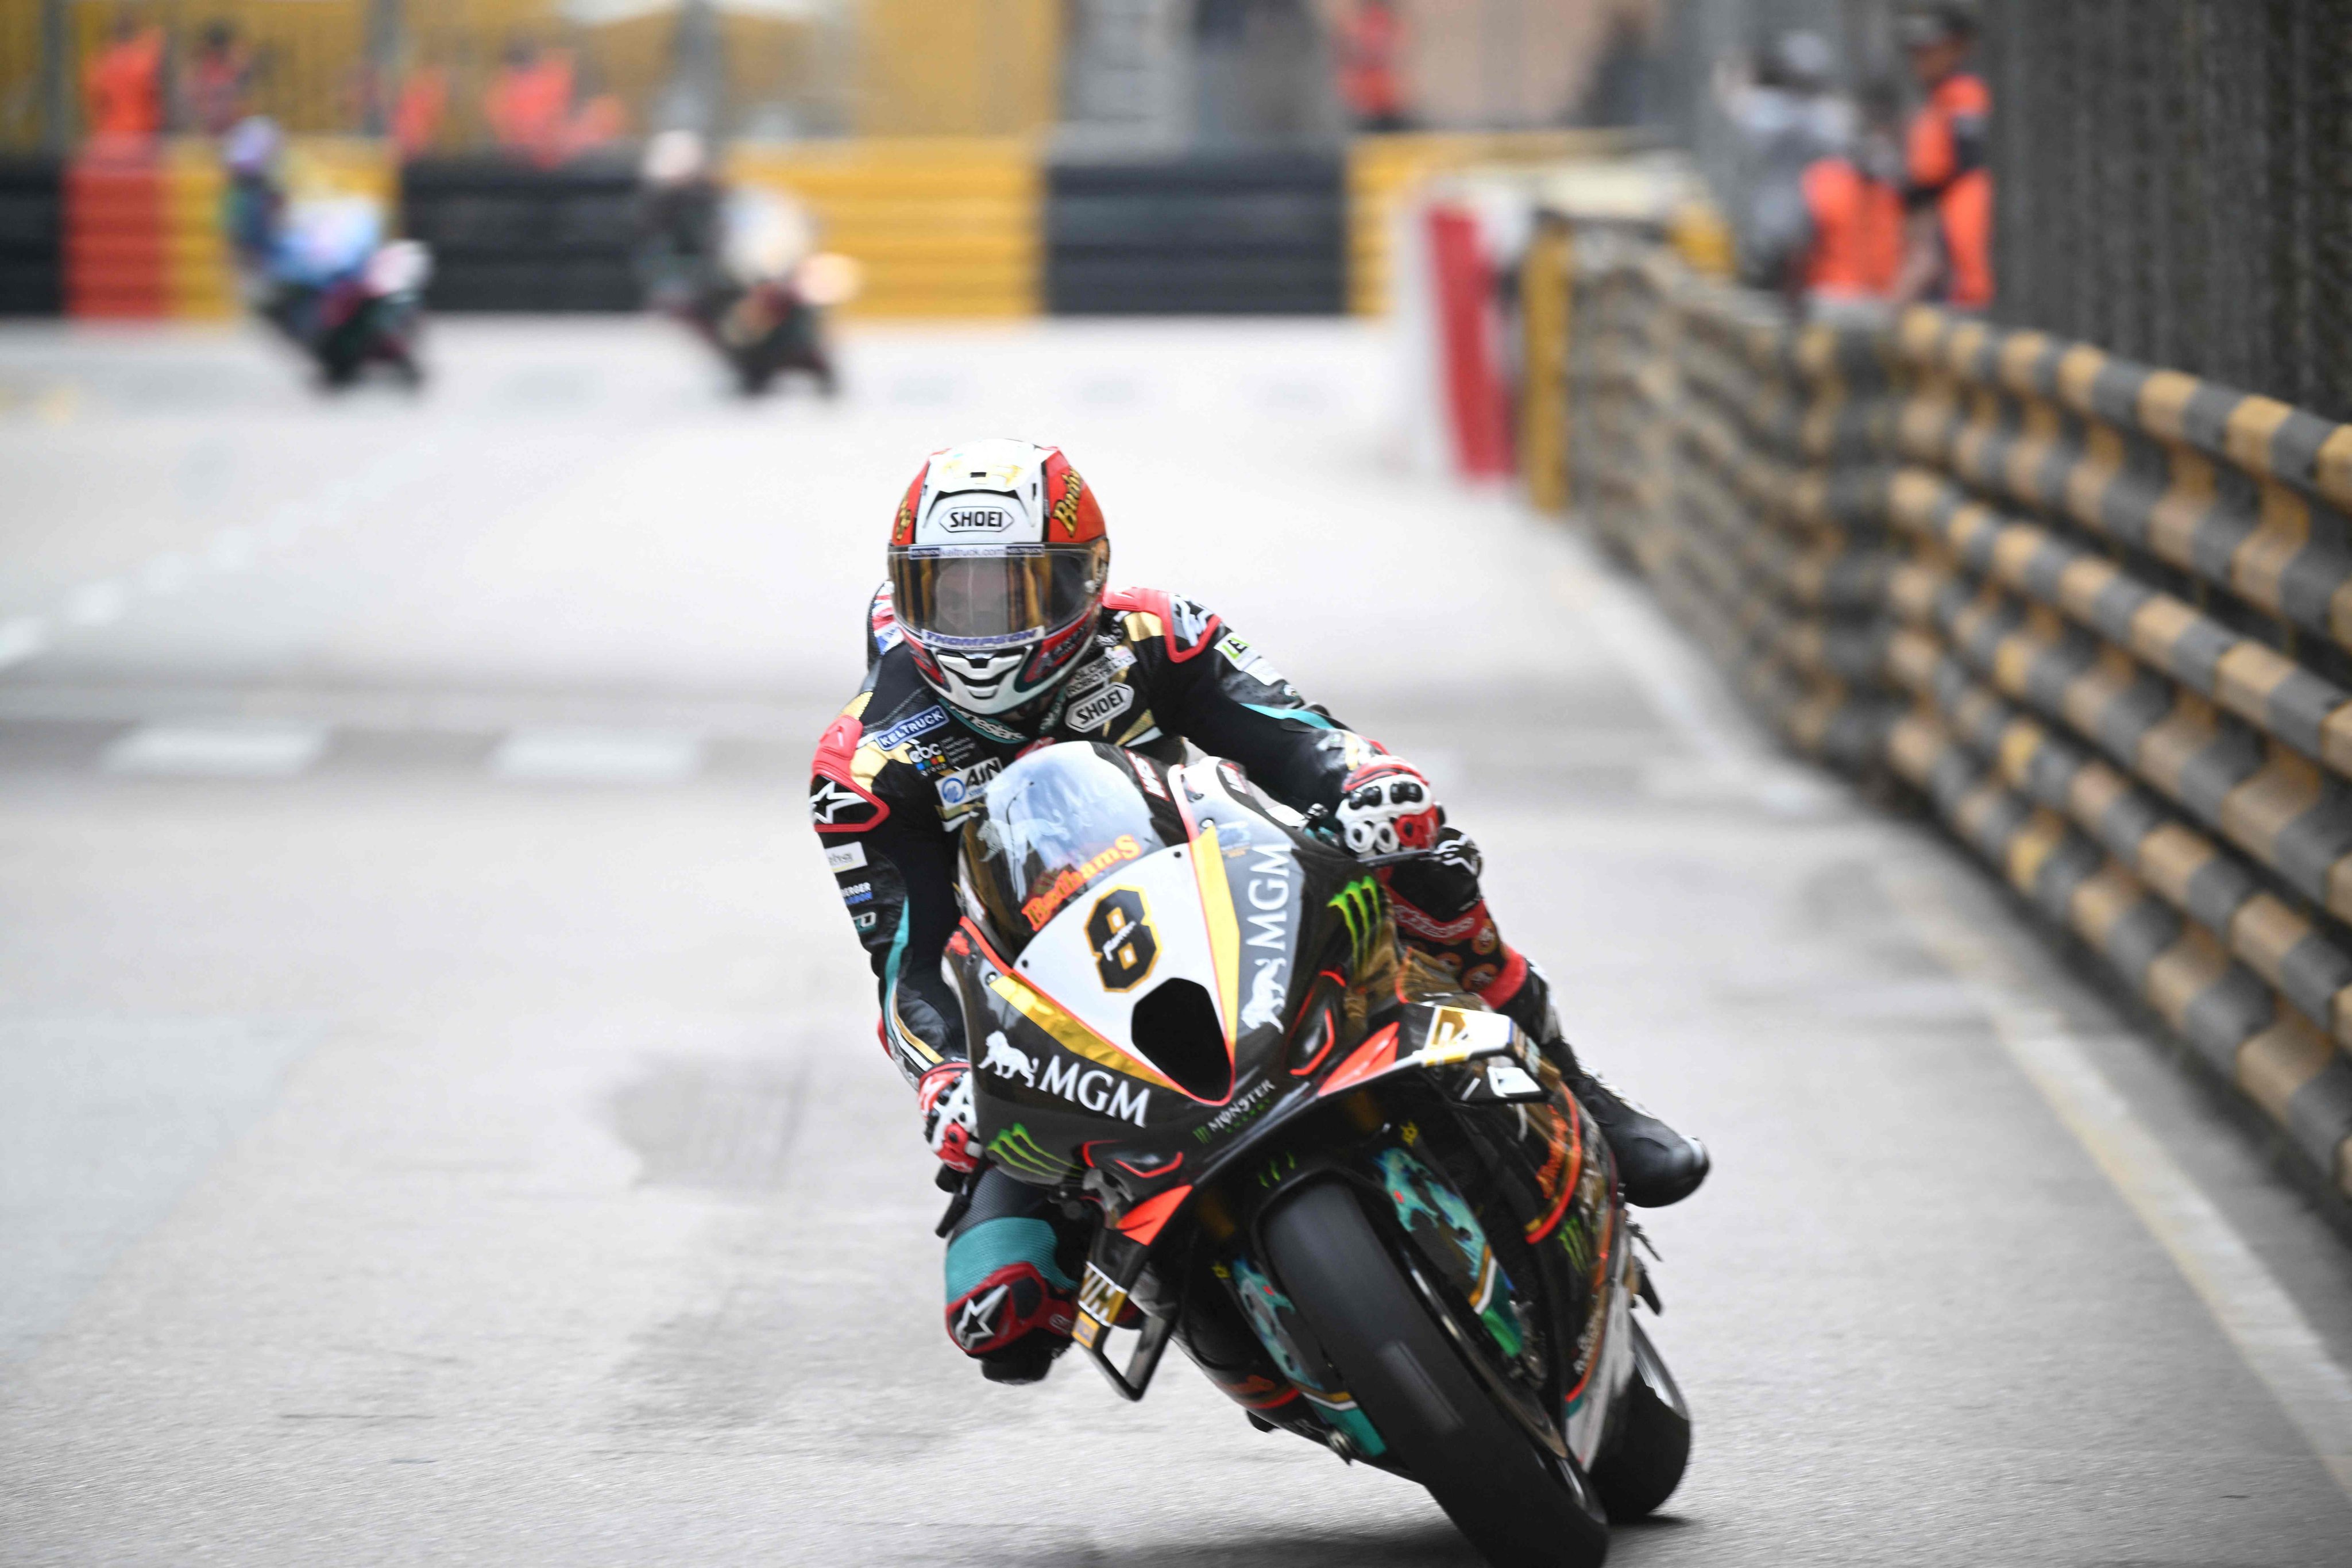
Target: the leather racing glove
(951, 1126)
(1388, 811)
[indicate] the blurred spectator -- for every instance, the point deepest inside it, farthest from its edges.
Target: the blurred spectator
(1951, 187)
(529, 103)
(1787, 118)
(1854, 210)
(529, 107)
(1370, 50)
(217, 81)
(417, 113)
(123, 87)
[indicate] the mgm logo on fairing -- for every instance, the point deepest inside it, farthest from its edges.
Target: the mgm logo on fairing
(1121, 1100)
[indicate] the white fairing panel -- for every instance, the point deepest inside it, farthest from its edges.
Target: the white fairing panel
(1064, 961)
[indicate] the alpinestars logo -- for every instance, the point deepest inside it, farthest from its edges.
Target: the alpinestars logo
(837, 807)
(980, 1320)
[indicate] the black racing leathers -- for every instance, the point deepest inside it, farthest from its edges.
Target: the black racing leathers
(898, 771)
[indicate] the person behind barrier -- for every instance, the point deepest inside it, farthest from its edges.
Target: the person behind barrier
(123, 87)
(1786, 117)
(996, 631)
(1369, 44)
(1853, 255)
(217, 80)
(1949, 190)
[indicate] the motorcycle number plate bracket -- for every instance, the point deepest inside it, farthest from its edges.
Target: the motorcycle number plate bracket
(1094, 1338)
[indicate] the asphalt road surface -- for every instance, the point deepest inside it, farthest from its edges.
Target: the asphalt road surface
(440, 1120)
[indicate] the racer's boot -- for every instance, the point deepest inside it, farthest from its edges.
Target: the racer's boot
(1440, 909)
(1656, 1164)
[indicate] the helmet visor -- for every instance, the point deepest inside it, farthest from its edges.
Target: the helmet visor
(1002, 595)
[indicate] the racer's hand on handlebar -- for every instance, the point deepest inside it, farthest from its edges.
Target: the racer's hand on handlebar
(950, 1124)
(1388, 811)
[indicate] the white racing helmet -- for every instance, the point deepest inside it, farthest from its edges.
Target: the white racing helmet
(998, 560)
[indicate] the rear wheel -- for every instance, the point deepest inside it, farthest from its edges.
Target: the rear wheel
(1644, 1462)
(1521, 1507)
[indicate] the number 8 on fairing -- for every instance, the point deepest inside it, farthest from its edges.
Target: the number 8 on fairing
(1119, 929)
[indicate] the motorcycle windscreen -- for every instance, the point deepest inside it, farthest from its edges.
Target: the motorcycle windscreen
(999, 596)
(1052, 826)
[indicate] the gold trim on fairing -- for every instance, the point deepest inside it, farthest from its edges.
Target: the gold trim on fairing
(1070, 1034)
(1225, 931)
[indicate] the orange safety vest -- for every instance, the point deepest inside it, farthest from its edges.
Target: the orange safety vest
(124, 87)
(1857, 230)
(1947, 158)
(1369, 41)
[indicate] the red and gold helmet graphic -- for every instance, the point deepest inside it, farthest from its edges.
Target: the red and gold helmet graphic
(998, 561)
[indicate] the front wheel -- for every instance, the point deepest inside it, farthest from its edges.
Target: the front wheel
(1521, 1507)
(1644, 1460)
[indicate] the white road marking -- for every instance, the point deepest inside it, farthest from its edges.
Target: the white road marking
(597, 756)
(233, 549)
(21, 638)
(218, 751)
(2245, 1298)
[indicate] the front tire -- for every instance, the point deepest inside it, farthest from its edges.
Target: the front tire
(1517, 1504)
(1645, 1461)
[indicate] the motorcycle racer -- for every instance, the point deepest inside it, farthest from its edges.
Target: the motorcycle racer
(997, 631)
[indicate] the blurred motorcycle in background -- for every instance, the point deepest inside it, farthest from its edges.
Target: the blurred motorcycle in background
(321, 270)
(740, 267)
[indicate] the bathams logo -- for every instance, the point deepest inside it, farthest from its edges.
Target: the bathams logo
(1074, 878)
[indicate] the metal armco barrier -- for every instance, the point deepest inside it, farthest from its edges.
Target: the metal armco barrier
(1255, 232)
(2099, 616)
(32, 236)
(505, 238)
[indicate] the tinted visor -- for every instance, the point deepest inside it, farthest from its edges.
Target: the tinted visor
(999, 594)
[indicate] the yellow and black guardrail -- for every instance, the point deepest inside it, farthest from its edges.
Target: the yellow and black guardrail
(2099, 616)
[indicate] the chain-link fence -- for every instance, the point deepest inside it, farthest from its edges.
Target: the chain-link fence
(2174, 184)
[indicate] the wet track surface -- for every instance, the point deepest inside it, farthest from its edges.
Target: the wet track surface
(440, 1119)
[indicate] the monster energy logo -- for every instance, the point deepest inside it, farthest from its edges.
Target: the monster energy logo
(1015, 1151)
(1358, 904)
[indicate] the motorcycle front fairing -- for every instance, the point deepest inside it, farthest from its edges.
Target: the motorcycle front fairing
(1305, 1053)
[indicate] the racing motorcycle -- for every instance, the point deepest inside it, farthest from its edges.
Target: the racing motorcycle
(345, 296)
(765, 305)
(1364, 1205)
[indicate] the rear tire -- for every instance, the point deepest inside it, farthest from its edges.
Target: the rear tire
(1518, 1505)
(1645, 1462)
